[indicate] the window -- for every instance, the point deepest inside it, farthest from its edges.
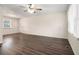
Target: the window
(7, 24)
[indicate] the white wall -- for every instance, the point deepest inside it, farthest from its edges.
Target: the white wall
(78, 20)
(51, 24)
(1, 31)
(13, 29)
(72, 20)
(1, 37)
(4, 31)
(73, 28)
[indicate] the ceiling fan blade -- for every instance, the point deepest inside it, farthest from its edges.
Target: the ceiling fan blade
(38, 9)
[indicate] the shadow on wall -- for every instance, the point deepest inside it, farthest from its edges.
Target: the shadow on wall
(74, 42)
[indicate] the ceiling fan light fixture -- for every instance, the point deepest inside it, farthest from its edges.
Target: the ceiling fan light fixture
(33, 6)
(31, 10)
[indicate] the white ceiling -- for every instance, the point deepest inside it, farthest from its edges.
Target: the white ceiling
(18, 10)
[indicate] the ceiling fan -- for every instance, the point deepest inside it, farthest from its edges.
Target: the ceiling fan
(31, 8)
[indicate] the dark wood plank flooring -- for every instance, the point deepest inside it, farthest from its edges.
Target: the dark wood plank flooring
(24, 44)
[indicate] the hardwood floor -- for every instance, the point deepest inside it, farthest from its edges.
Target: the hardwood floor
(22, 44)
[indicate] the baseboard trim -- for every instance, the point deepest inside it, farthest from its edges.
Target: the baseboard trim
(43, 36)
(12, 33)
(35, 35)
